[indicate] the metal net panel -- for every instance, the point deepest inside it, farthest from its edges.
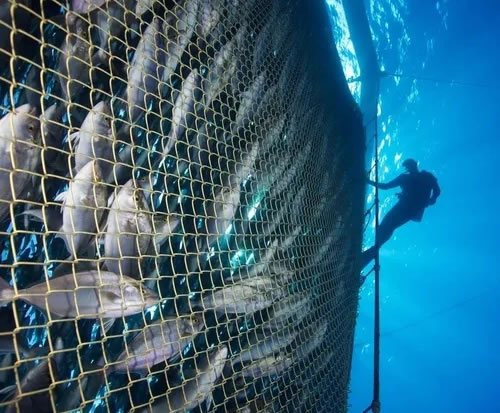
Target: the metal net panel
(177, 221)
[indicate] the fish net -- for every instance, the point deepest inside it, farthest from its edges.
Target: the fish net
(180, 207)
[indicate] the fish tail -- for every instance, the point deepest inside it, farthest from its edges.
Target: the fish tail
(6, 291)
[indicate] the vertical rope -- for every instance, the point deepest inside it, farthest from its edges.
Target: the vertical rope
(375, 405)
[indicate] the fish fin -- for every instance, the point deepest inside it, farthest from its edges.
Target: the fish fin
(34, 214)
(208, 401)
(74, 138)
(54, 218)
(6, 291)
(150, 283)
(111, 199)
(8, 391)
(107, 323)
(112, 297)
(61, 197)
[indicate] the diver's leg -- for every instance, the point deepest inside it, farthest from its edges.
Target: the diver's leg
(396, 217)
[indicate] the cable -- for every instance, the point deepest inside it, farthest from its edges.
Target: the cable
(375, 404)
(423, 78)
(431, 316)
(430, 79)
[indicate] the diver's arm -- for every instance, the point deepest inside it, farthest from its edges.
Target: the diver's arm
(387, 185)
(436, 191)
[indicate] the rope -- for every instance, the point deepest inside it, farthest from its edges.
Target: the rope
(375, 404)
(430, 79)
(384, 73)
(428, 317)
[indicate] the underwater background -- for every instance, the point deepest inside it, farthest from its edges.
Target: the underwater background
(439, 278)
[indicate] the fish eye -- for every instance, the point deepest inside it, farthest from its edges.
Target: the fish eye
(31, 127)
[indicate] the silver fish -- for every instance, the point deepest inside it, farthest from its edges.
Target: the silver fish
(313, 340)
(129, 231)
(90, 294)
(178, 28)
(9, 344)
(287, 312)
(94, 139)
(209, 17)
(111, 21)
(145, 71)
(245, 297)
(272, 365)
(291, 173)
(274, 134)
(83, 207)
(159, 342)
(20, 143)
(195, 390)
(220, 212)
(75, 60)
(250, 100)
(53, 131)
(263, 346)
(183, 107)
(86, 6)
(222, 68)
(143, 6)
(29, 396)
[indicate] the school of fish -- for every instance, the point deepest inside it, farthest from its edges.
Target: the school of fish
(139, 145)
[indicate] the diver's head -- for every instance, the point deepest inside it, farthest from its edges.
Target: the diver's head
(411, 165)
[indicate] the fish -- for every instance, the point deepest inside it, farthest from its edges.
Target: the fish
(95, 139)
(209, 15)
(22, 21)
(53, 132)
(112, 19)
(193, 391)
(312, 341)
(287, 312)
(29, 396)
(245, 297)
(220, 212)
(182, 108)
(86, 6)
(83, 207)
(289, 175)
(73, 395)
(262, 44)
(262, 345)
(158, 342)
(145, 70)
(9, 344)
(274, 134)
(178, 28)
(271, 365)
(143, 6)
(129, 231)
(222, 68)
(19, 142)
(75, 57)
(322, 251)
(86, 295)
(250, 101)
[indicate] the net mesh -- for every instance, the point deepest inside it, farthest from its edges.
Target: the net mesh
(178, 225)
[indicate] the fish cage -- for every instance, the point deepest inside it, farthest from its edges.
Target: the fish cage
(181, 207)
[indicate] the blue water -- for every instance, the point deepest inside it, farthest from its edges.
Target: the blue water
(439, 278)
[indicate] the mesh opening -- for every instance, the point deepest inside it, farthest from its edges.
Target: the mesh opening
(176, 214)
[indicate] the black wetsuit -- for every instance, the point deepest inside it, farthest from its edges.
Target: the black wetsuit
(419, 190)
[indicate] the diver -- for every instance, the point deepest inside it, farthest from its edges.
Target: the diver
(419, 190)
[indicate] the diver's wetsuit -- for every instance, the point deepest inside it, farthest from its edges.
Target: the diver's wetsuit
(419, 190)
